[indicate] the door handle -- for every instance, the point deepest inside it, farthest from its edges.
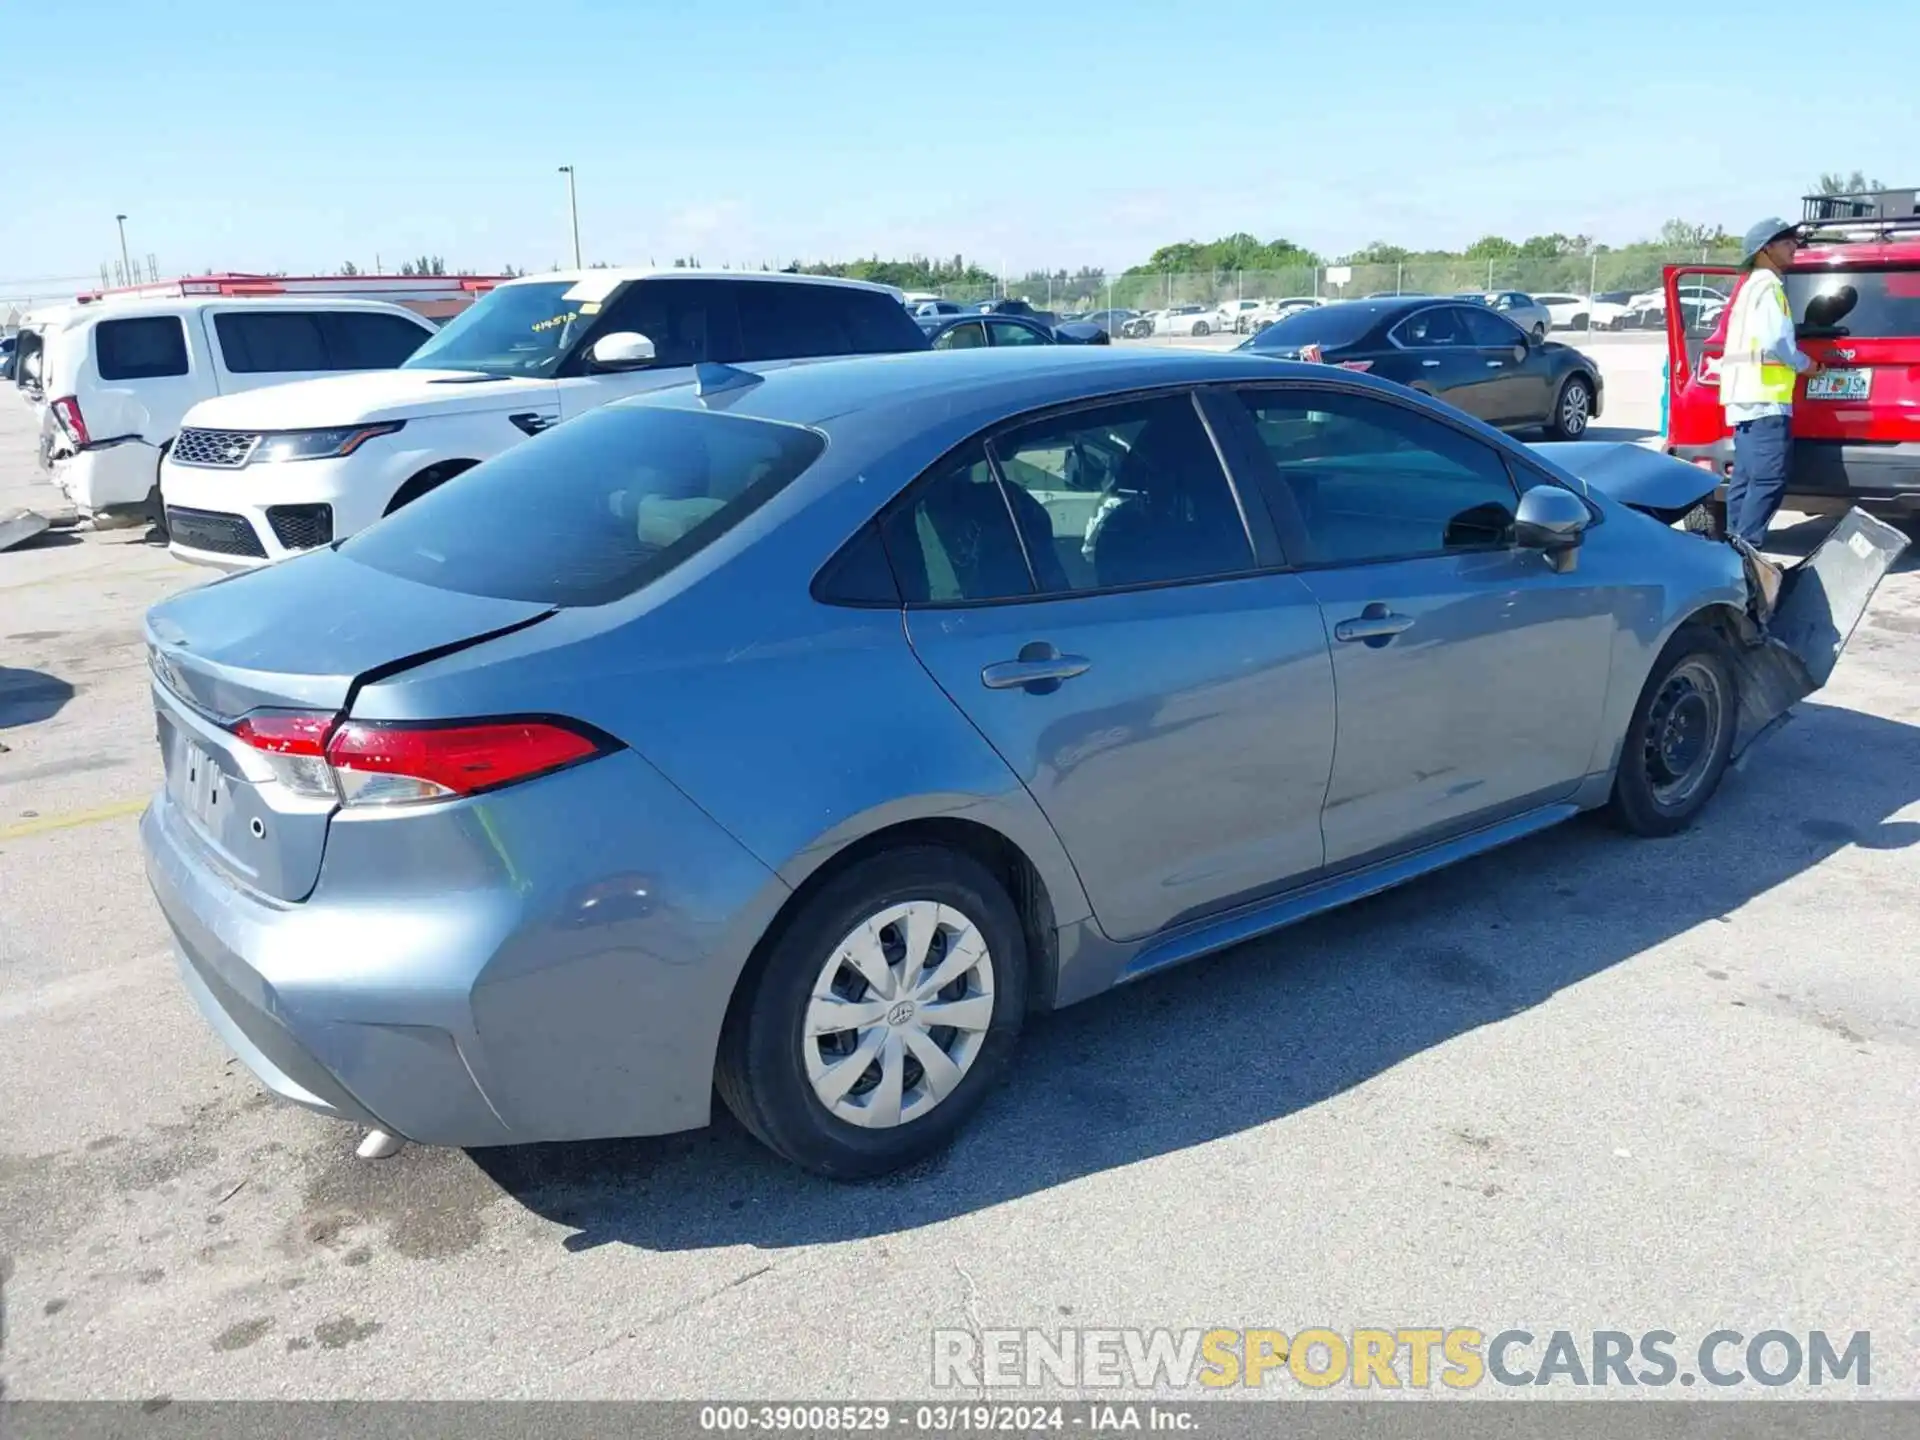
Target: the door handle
(1375, 625)
(1039, 670)
(1495, 364)
(1431, 364)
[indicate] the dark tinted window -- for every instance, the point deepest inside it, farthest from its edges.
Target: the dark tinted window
(1004, 332)
(953, 538)
(1863, 304)
(1124, 495)
(1362, 479)
(687, 320)
(371, 342)
(1490, 331)
(780, 321)
(1327, 325)
(592, 511)
(272, 341)
(145, 349)
(1442, 325)
(860, 574)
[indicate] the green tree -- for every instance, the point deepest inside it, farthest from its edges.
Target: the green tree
(349, 268)
(1853, 183)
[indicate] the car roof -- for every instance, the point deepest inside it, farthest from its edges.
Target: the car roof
(1857, 253)
(961, 383)
(621, 274)
(79, 315)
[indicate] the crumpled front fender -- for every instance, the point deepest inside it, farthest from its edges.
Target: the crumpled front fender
(1820, 602)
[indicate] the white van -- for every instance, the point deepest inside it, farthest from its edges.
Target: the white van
(116, 376)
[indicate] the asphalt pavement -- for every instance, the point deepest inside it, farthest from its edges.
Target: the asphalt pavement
(1586, 1083)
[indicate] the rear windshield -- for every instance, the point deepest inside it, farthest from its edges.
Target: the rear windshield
(592, 510)
(1324, 325)
(1863, 304)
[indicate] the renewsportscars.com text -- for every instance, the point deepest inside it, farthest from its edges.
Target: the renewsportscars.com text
(1458, 1358)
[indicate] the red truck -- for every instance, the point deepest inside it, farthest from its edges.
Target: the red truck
(1855, 292)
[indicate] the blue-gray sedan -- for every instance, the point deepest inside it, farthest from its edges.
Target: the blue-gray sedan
(795, 735)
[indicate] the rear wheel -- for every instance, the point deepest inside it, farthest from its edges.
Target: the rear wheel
(1680, 738)
(880, 1018)
(1200, 327)
(1572, 409)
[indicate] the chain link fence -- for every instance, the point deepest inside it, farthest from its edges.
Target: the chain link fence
(1614, 274)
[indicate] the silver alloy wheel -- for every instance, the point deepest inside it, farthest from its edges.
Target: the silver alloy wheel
(1683, 731)
(1574, 402)
(898, 1014)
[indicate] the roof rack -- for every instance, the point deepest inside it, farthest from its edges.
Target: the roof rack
(1862, 214)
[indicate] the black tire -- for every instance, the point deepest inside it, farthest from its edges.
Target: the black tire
(1646, 764)
(1581, 322)
(1569, 420)
(1200, 328)
(1539, 332)
(761, 1070)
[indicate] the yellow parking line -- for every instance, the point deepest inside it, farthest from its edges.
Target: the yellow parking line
(41, 824)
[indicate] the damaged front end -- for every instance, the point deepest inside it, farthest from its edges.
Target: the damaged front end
(1803, 615)
(1798, 618)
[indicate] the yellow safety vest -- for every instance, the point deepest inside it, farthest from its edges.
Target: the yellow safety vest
(1745, 378)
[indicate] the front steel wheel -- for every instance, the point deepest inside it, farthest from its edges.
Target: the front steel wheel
(1681, 736)
(898, 1014)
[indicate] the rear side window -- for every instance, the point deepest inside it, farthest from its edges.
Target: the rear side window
(149, 348)
(789, 322)
(365, 341)
(953, 541)
(592, 511)
(272, 342)
(1856, 304)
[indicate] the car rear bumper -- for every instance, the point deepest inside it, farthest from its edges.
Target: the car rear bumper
(110, 479)
(552, 962)
(1829, 476)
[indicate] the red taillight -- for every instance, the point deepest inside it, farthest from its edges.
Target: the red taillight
(67, 411)
(376, 763)
(1356, 364)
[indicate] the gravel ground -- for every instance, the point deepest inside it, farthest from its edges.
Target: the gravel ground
(1586, 1083)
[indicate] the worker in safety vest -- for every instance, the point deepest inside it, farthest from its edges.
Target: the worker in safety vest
(1757, 376)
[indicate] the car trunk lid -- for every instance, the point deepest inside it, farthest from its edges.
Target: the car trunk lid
(294, 647)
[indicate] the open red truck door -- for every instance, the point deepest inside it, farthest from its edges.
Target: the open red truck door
(1696, 338)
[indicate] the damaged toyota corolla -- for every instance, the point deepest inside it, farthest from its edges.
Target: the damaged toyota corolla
(795, 735)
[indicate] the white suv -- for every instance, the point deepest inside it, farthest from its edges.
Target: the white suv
(117, 377)
(259, 477)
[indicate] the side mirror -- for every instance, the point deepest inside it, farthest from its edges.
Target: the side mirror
(622, 350)
(1553, 521)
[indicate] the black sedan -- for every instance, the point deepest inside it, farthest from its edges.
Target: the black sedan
(1466, 355)
(976, 332)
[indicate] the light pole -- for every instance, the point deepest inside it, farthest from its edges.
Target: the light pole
(126, 265)
(573, 205)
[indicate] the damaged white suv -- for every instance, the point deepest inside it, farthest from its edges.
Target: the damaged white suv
(118, 375)
(256, 478)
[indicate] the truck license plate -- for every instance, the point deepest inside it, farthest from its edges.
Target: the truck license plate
(1840, 385)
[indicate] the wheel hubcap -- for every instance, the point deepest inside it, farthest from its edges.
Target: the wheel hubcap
(898, 1014)
(1683, 728)
(1573, 409)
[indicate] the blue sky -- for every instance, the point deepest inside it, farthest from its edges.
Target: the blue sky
(289, 136)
